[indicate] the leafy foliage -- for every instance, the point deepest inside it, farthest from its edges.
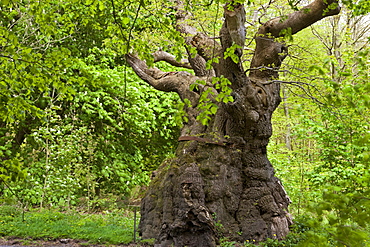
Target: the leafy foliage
(74, 119)
(361, 7)
(330, 143)
(102, 141)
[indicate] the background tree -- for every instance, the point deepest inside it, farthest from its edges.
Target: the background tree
(325, 171)
(221, 167)
(74, 123)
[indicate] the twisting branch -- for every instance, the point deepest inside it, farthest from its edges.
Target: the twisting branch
(207, 48)
(301, 19)
(153, 76)
(178, 82)
(169, 58)
(181, 20)
(269, 51)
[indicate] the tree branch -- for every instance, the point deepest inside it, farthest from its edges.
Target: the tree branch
(207, 48)
(234, 23)
(232, 40)
(181, 20)
(167, 57)
(305, 87)
(178, 82)
(301, 19)
(270, 52)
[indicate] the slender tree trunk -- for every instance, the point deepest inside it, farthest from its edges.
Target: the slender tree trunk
(221, 182)
(288, 141)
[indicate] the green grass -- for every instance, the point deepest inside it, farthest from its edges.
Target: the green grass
(117, 227)
(107, 228)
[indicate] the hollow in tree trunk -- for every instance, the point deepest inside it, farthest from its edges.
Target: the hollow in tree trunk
(220, 181)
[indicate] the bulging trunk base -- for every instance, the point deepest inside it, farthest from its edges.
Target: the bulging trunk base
(210, 191)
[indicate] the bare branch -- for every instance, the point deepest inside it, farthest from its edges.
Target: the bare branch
(207, 47)
(152, 76)
(178, 82)
(233, 32)
(167, 57)
(270, 52)
(181, 20)
(234, 22)
(305, 87)
(301, 19)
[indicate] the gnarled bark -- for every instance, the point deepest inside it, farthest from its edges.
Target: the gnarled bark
(221, 174)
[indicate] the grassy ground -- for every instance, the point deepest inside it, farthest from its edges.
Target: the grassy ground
(108, 228)
(75, 229)
(51, 228)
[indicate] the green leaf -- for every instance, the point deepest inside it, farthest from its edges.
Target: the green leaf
(5, 2)
(27, 50)
(213, 109)
(125, 20)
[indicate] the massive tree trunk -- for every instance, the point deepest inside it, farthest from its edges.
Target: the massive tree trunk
(221, 182)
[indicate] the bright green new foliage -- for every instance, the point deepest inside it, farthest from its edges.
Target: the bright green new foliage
(74, 119)
(329, 141)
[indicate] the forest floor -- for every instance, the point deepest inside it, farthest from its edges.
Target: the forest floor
(52, 228)
(15, 242)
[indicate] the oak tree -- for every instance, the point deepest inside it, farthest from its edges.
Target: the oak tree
(221, 175)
